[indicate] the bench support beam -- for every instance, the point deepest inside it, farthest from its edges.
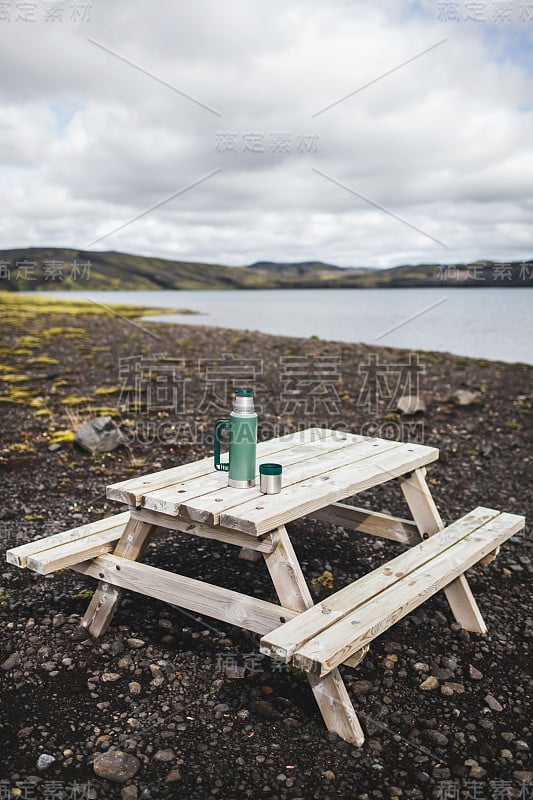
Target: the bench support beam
(372, 522)
(104, 602)
(329, 691)
(458, 593)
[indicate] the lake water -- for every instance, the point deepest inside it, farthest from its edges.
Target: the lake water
(482, 323)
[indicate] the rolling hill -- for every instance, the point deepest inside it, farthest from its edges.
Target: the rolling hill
(53, 268)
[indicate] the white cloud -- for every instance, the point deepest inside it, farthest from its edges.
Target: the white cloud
(88, 141)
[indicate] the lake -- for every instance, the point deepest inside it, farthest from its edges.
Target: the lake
(481, 323)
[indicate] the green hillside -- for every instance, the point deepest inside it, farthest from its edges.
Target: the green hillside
(52, 268)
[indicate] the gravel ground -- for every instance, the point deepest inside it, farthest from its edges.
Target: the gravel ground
(180, 706)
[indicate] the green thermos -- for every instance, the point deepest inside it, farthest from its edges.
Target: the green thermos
(242, 426)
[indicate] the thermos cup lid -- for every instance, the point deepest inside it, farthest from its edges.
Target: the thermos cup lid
(243, 402)
(270, 469)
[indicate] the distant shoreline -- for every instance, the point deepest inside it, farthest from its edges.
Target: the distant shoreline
(55, 269)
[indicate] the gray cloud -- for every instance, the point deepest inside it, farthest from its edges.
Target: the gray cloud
(88, 142)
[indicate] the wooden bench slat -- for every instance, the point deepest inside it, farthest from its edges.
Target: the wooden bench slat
(210, 507)
(330, 648)
(72, 553)
(132, 490)
(173, 499)
(19, 555)
(284, 642)
(313, 493)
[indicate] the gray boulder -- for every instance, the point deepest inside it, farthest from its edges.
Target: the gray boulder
(99, 435)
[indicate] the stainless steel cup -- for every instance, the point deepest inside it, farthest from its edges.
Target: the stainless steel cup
(270, 478)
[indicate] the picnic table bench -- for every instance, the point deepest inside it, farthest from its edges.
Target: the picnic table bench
(320, 468)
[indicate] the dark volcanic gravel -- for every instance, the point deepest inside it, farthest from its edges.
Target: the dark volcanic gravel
(179, 706)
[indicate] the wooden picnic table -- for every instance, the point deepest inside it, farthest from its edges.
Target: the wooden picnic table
(320, 468)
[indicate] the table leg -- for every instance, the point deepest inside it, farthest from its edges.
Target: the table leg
(458, 593)
(105, 600)
(330, 692)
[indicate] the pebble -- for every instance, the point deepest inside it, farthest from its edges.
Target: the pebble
(411, 404)
(44, 761)
(165, 755)
(477, 772)
(134, 688)
(429, 684)
(135, 644)
(435, 738)
(11, 661)
(110, 677)
(450, 688)
(464, 397)
(173, 775)
(329, 775)
(523, 776)
(249, 555)
(116, 766)
(361, 687)
(264, 709)
(474, 673)
(129, 792)
(492, 703)
(58, 620)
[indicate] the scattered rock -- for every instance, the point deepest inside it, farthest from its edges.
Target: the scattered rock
(135, 644)
(435, 738)
(173, 775)
(99, 435)
(165, 755)
(134, 688)
(523, 776)
(110, 677)
(411, 404)
(264, 709)
(450, 688)
(361, 688)
(464, 397)
(492, 703)
(477, 772)
(44, 761)
(116, 766)
(474, 673)
(129, 793)
(11, 661)
(249, 555)
(429, 684)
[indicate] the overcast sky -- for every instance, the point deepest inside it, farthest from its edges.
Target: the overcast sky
(227, 120)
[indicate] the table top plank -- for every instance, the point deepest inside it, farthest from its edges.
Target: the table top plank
(260, 516)
(132, 490)
(172, 499)
(210, 507)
